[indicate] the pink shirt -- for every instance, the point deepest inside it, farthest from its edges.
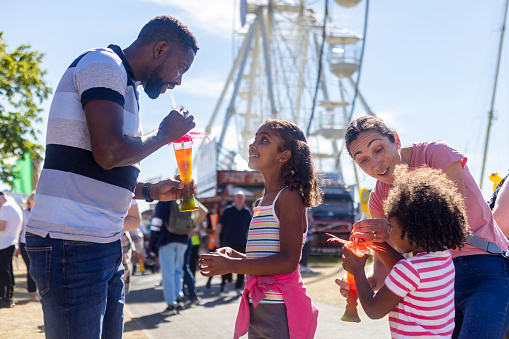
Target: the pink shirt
(425, 283)
(302, 314)
(440, 155)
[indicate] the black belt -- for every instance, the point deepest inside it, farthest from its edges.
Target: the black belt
(485, 245)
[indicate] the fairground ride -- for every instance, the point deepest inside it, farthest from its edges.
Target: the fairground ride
(291, 65)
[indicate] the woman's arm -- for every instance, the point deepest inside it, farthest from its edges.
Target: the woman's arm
(501, 209)
(455, 174)
(292, 216)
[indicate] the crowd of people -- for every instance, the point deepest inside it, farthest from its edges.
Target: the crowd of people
(437, 243)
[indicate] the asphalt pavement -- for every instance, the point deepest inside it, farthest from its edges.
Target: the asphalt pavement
(214, 317)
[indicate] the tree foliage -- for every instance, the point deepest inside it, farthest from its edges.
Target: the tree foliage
(21, 85)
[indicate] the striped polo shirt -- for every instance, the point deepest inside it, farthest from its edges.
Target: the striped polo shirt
(426, 284)
(76, 199)
(263, 240)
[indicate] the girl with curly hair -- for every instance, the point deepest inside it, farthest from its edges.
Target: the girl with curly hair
(427, 218)
(275, 303)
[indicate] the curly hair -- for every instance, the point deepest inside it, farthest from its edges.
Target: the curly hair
(428, 207)
(298, 172)
(167, 28)
(365, 124)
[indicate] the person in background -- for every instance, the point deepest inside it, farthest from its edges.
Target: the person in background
(171, 248)
(232, 230)
(189, 286)
(499, 203)
(11, 219)
(94, 146)
(480, 311)
(275, 303)
(306, 249)
(131, 222)
(31, 287)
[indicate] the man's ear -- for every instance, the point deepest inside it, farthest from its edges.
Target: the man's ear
(160, 48)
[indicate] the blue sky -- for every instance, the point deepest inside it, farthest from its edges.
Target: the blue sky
(428, 67)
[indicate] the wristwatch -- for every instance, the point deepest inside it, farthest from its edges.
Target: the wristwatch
(145, 192)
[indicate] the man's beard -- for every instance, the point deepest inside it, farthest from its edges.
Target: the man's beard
(154, 84)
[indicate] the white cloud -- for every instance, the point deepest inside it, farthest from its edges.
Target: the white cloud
(214, 16)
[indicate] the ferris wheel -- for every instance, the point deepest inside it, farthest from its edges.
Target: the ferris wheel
(290, 65)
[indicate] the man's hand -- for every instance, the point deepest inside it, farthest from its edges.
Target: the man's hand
(170, 189)
(176, 124)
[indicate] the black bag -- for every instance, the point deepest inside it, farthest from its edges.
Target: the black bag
(179, 223)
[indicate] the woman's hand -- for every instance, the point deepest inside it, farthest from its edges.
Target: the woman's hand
(373, 230)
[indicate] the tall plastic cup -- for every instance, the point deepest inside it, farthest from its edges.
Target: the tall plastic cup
(351, 313)
(183, 153)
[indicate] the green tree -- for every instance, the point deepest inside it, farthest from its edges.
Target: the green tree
(21, 85)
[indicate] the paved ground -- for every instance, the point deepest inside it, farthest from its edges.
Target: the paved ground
(215, 316)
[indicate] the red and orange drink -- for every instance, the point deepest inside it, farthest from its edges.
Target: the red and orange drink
(351, 313)
(183, 152)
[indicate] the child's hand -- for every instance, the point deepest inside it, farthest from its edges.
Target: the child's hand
(352, 263)
(344, 288)
(228, 251)
(215, 263)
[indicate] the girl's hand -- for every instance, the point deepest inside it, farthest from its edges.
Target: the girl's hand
(215, 263)
(344, 288)
(228, 251)
(352, 263)
(373, 230)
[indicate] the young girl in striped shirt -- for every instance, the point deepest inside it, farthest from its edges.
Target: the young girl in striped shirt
(427, 217)
(275, 303)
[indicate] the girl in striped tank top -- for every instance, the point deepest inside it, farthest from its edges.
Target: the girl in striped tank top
(427, 217)
(275, 303)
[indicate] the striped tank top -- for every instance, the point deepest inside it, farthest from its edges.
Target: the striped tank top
(263, 240)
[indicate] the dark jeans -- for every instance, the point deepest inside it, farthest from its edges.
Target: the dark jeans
(305, 254)
(189, 288)
(6, 274)
(481, 296)
(30, 282)
(239, 284)
(81, 287)
(194, 258)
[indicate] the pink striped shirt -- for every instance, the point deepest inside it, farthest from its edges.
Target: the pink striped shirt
(426, 284)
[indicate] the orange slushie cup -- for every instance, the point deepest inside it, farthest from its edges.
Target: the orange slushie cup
(351, 313)
(183, 153)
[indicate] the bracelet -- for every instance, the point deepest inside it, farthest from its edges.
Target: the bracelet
(146, 192)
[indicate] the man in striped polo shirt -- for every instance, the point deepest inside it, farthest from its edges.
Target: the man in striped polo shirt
(93, 148)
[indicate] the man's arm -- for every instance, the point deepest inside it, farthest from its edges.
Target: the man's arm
(112, 148)
(3, 225)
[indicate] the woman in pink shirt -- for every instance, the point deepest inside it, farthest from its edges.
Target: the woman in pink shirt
(482, 273)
